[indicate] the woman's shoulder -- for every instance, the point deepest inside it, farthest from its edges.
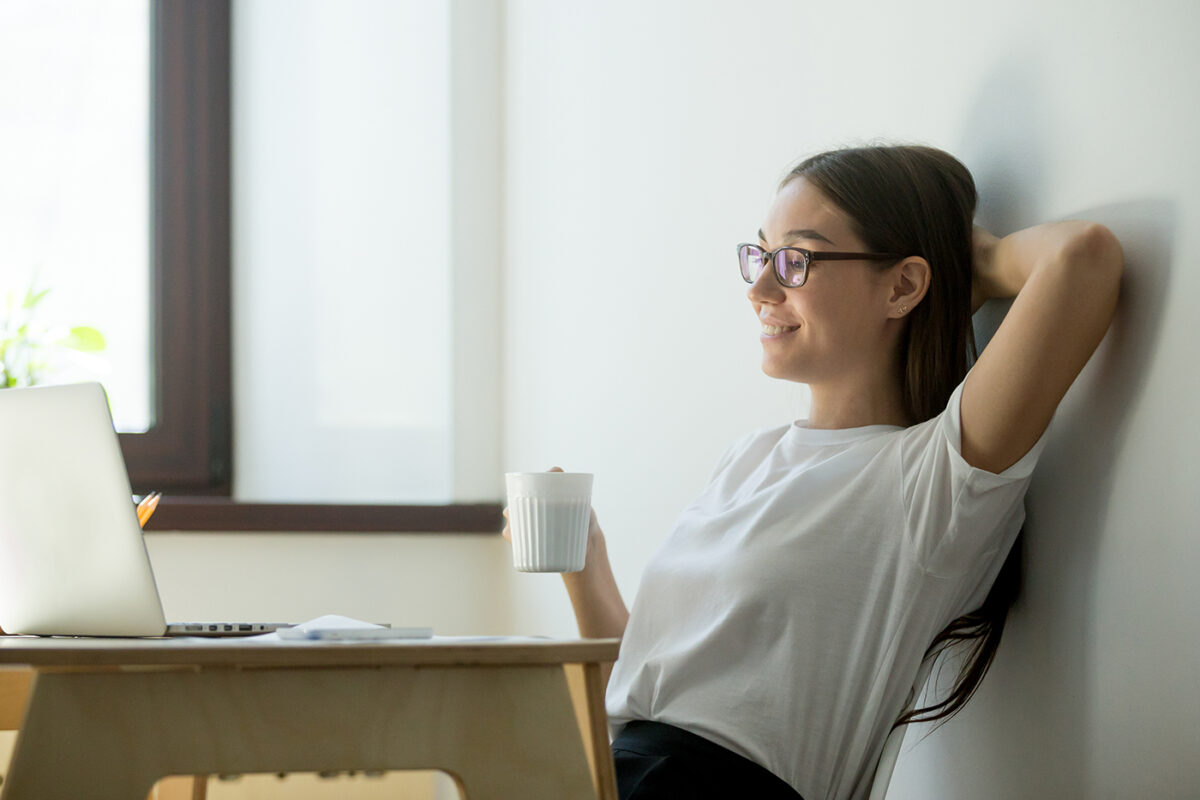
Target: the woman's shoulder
(756, 439)
(947, 419)
(754, 443)
(770, 434)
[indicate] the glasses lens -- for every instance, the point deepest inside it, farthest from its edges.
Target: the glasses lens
(791, 267)
(751, 260)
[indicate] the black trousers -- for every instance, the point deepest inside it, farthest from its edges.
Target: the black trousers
(656, 760)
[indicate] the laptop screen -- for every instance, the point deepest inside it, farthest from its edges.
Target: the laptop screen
(72, 558)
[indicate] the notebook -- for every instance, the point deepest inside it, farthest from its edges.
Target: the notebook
(72, 558)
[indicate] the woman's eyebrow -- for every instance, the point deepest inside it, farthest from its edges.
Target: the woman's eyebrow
(799, 233)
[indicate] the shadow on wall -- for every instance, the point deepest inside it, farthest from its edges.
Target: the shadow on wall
(1071, 501)
(1025, 732)
(1038, 706)
(1002, 146)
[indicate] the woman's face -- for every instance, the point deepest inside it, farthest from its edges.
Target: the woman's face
(834, 325)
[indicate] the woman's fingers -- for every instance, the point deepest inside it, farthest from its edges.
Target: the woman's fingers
(507, 531)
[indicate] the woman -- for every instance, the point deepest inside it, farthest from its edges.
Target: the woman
(778, 630)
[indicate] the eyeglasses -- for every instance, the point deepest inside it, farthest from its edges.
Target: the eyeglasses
(791, 263)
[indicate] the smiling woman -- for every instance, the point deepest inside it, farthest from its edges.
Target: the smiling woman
(780, 631)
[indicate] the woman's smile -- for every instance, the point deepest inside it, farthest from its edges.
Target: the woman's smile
(776, 329)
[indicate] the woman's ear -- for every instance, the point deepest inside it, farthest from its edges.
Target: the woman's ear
(910, 282)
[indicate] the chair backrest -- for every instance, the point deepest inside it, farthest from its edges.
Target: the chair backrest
(891, 747)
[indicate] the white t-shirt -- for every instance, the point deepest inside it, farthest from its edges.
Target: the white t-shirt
(786, 615)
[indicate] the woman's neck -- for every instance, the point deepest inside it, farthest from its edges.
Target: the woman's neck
(850, 403)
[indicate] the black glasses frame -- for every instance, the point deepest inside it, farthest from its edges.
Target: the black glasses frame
(780, 266)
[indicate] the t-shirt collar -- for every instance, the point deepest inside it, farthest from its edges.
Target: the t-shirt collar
(802, 434)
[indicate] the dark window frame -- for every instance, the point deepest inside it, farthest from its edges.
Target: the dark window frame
(188, 452)
(188, 448)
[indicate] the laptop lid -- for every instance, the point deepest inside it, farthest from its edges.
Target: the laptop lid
(72, 558)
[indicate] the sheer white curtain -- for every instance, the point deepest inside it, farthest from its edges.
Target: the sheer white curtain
(343, 361)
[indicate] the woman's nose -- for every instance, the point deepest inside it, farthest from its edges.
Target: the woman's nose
(765, 288)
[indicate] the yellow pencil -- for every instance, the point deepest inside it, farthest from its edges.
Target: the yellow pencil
(146, 508)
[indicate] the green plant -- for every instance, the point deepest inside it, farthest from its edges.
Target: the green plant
(30, 350)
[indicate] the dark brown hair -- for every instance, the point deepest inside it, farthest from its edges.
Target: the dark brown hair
(921, 201)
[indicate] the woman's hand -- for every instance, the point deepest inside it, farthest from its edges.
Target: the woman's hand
(983, 269)
(599, 610)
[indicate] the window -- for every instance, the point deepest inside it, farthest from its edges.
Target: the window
(74, 213)
(117, 149)
(189, 448)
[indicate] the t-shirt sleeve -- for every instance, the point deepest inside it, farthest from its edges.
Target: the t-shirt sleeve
(956, 513)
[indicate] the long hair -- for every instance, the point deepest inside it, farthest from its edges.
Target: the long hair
(921, 201)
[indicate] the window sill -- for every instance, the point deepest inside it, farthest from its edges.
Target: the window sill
(222, 514)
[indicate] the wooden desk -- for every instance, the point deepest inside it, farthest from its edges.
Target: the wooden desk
(109, 717)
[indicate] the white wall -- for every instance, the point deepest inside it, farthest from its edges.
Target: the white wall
(644, 141)
(456, 583)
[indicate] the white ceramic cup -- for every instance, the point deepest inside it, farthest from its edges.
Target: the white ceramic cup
(548, 515)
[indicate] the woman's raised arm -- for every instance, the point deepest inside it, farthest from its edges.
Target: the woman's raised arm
(1066, 277)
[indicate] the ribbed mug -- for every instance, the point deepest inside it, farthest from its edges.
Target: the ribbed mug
(548, 515)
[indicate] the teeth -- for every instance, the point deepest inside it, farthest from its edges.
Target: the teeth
(771, 330)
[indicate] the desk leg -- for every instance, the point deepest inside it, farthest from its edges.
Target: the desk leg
(501, 732)
(587, 694)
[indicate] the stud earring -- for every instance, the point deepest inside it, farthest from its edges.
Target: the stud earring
(903, 309)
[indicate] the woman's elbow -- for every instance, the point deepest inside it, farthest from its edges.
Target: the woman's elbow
(1096, 250)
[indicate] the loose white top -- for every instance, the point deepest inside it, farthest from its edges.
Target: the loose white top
(786, 615)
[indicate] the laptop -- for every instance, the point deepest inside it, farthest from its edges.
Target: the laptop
(72, 558)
